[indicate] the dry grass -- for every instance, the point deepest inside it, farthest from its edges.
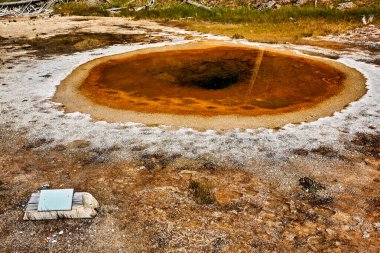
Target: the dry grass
(203, 192)
(290, 31)
(87, 44)
(287, 24)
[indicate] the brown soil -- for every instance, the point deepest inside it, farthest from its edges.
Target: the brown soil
(161, 92)
(153, 205)
(77, 42)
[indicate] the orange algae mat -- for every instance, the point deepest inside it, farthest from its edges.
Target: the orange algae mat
(213, 81)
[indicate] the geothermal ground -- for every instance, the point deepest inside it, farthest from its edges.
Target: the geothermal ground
(297, 188)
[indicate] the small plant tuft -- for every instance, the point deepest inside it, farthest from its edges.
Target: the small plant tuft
(310, 186)
(313, 188)
(237, 36)
(203, 192)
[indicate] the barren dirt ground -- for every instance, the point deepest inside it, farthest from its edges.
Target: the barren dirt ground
(297, 198)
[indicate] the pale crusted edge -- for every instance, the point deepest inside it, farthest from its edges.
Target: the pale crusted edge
(69, 95)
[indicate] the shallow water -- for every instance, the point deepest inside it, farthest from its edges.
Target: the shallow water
(216, 81)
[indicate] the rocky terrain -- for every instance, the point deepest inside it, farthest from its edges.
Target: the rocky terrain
(311, 187)
(154, 205)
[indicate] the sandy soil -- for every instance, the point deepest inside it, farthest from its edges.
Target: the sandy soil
(312, 187)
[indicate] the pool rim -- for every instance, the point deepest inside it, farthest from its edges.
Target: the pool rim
(68, 94)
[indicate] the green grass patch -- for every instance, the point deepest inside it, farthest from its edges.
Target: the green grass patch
(246, 15)
(289, 31)
(287, 24)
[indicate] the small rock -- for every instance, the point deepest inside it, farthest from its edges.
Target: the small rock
(366, 234)
(216, 214)
(377, 226)
(346, 6)
(45, 186)
(300, 2)
(358, 220)
(329, 231)
(60, 232)
(93, 2)
(79, 144)
(268, 5)
(289, 237)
